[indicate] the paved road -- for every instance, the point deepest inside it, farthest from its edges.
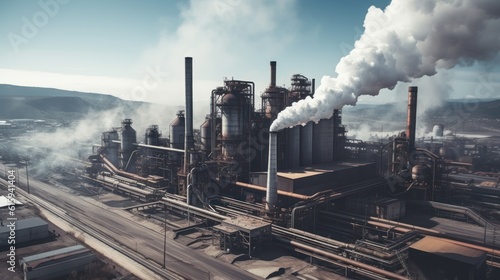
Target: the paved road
(182, 259)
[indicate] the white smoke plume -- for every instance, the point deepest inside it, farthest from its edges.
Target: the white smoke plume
(408, 40)
(75, 141)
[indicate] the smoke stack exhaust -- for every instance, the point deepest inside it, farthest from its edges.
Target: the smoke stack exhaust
(273, 74)
(272, 177)
(401, 43)
(189, 140)
(411, 118)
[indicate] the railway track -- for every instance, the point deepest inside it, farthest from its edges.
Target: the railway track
(165, 273)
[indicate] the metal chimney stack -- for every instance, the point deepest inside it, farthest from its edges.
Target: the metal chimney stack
(313, 86)
(272, 177)
(273, 74)
(411, 119)
(189, 140)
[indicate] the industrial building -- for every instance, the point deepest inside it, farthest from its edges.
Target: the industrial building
(57, 263)
(26, 230)
(306, 188)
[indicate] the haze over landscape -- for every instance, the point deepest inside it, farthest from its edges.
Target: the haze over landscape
(141, 59)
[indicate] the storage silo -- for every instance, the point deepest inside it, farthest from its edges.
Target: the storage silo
(306, 144)
(129, 137)
(232, 110)
(206, 134)
(323, 141)
(111, 147)
(153, 135)
(293, 147)
(177, 130)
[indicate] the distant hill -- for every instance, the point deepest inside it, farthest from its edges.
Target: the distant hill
(50, 103)
(396, 112)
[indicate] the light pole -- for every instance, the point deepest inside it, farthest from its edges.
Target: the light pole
(27, 177)
(187, 200)
(164, 235)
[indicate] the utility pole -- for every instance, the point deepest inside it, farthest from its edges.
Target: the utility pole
(27, 179)
(164, 236)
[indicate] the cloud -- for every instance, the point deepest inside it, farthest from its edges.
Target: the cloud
(226, 38)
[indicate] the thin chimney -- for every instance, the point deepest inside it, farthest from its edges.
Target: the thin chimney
(272, 177)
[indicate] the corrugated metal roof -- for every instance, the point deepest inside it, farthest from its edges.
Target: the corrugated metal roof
(23, 224)
(441, 247)
(52, 253)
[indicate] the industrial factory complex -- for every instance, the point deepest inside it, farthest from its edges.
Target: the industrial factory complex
(230, 199)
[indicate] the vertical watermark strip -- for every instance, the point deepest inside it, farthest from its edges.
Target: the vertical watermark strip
(11, 220)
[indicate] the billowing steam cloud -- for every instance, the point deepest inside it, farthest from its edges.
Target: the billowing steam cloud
(408, 40)
(75, 141)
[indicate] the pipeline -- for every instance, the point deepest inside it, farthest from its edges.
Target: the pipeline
(153, 147)
(143, 193)
(454, 208)
(342, 259)
(215, 216)
(117, 185)
(348, 190)
(379, 254)
(397, 224)
(124, 173)
(263, 189)
(158, 148)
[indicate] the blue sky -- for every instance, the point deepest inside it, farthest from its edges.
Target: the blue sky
(136, 49)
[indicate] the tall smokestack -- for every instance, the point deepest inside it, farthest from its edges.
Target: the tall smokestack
(272, 177)
(273, 74)
(313, 86)
(189, 140)
(411, 118)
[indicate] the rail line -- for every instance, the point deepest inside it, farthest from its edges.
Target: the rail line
(101, 236)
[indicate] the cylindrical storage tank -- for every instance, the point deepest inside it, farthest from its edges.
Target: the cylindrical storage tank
(293, 147)
(419, 172)
(274, 101)
(206, 134)
(438, 130)
(153, 135)
(129, 137)
(111, 148)
(177, 129)
(233, 112)
(306, 144)
(323, 141)
(232, 116)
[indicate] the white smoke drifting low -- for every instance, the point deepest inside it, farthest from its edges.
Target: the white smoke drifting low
(407, 40)
(75, 141)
